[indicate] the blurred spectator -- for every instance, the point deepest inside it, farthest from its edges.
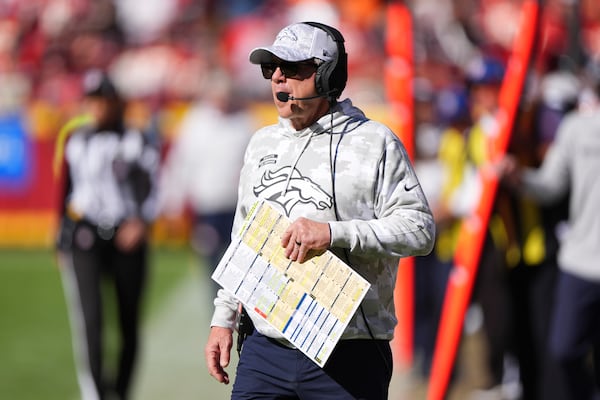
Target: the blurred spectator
(532, 280)
(202, 168)
(452, 110)
(108, 203)
(56, 83)
(437, 114)
(143, 71)
(443, 32)
(571, 165)
(145, 20)
(15, 87)
(239, 35)
(491, 291)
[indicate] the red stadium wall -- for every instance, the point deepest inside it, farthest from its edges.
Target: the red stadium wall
(27, 211)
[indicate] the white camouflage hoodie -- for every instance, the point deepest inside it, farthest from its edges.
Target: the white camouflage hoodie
(382, 212)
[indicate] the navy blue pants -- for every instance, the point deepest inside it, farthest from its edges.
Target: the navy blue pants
(575, 335)
(357, 369)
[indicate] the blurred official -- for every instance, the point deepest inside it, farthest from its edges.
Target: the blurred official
(108, 203)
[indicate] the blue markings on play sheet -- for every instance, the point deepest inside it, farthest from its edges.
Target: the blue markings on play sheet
(287, 325)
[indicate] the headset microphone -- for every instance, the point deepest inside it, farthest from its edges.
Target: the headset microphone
(283, 96)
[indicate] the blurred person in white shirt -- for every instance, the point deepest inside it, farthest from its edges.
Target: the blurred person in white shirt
(201, 170)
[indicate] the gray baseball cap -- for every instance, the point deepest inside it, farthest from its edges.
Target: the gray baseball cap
(297, 42)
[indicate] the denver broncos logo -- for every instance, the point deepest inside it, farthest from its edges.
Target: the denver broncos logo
(300, 190)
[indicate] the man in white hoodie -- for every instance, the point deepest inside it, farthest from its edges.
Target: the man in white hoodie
(348, 185)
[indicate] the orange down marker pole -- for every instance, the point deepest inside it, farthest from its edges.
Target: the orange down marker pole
(398, 83)
(473, 229)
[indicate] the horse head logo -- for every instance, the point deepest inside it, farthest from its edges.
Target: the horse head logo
(300, 189)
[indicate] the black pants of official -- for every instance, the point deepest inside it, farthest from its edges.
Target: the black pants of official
(95, 258)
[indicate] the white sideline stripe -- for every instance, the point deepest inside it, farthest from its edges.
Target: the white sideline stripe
(171, 364)
(79, 340)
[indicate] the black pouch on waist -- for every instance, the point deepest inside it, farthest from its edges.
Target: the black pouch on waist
(245, 328)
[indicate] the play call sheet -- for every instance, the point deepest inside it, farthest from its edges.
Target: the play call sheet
(309, 303)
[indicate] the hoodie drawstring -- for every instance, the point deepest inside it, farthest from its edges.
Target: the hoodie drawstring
(304, 146)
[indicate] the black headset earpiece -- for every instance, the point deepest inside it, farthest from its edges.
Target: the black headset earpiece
(332, 75)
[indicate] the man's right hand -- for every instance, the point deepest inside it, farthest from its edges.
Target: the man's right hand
(508, 170)
(218, 351)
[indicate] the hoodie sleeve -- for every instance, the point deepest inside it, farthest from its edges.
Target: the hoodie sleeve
(225, 314)
(402, 224)
(551, 181)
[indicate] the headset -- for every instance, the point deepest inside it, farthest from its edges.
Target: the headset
(331, 76)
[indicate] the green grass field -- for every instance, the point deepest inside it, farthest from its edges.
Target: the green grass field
(36, 358)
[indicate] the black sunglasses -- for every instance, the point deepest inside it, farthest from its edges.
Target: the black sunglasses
(288, 69)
